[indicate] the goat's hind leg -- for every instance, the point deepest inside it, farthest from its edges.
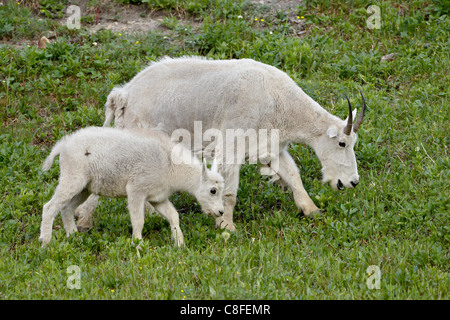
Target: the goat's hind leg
(64, 194)
(68, 211)
(85, 212)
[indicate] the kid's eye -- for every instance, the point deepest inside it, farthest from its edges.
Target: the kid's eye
(342, 144)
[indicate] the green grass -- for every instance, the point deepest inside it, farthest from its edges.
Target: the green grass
(397, 218)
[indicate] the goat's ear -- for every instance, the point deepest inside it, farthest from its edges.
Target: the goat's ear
(214, 166)
(332, 132)
(204, 170)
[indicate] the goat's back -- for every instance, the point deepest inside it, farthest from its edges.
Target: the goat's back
(114, 152)
(173, 93)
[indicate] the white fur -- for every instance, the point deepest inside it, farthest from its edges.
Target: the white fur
(120, 163)
(237, 94)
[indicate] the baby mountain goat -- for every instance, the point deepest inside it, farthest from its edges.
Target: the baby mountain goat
(120, 163)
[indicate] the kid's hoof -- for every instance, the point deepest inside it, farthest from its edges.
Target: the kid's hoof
(82, 229)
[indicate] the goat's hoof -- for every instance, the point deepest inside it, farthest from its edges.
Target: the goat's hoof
(230, 227)
(43, 242)
(180, 245)
(311, 214)
(227, 226)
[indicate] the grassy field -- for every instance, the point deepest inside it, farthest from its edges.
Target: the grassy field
(397, 219)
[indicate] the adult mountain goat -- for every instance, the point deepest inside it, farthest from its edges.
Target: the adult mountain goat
(239, 94)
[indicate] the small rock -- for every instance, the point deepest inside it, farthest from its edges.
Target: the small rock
(389, 57)
(42, 43)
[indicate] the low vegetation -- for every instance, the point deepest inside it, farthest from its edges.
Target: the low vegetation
(397, 219)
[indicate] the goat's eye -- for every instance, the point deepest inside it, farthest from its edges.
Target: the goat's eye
(213, 191)
(342, 144)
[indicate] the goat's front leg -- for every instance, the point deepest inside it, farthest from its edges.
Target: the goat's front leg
(289, 173)
(168, 211)
(137, 214)
(231, 179)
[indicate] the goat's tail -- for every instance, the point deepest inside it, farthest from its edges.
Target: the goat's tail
(115, 107)
(55, 152)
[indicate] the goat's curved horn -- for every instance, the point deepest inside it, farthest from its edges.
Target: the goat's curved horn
(361, 114)
(348, 128)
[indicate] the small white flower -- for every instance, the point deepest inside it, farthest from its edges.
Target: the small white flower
(225, 235)
(417, 149)
(94, 43)
(239, 17)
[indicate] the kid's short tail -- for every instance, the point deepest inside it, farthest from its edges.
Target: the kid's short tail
(51, 157)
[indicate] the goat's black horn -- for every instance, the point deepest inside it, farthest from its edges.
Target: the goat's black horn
(361, 114)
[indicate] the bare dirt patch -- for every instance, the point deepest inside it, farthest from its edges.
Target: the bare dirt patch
(130, 19)
(112, 16)
(140, 19)
(288, 7)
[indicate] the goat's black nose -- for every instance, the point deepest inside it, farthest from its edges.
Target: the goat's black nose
(340, 185)
(354, 183)
(221, 212)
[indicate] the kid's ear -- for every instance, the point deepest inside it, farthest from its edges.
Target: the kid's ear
(354, 113)
(214, 166)
(332, 132)
(204, 170)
